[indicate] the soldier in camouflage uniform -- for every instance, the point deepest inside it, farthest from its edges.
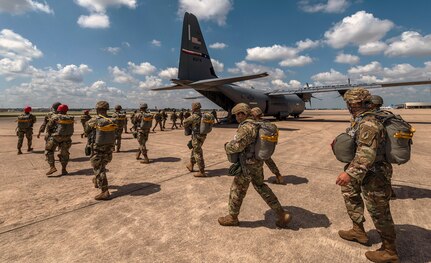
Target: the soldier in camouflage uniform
(370, 174)
(376, 101)
(251, 171)
(187, 114)
(158, 117)
(59, 137)
(257, 116)
(181, 117)
(197, 156)
(104, 129)
(120, 119)
(164, 118)
(84, 118)
(46, 119)
(174, 118)
(143, 134)
(25, 128)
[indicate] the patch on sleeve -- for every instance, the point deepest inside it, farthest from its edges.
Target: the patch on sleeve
(367, 134)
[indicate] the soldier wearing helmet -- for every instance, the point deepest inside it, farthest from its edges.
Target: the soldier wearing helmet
(376, 101)
(370, 174)
(102, 128)
(46, 119)
(197, 156)
(251, 170)
(174, 117)
(142, 123)
(158, 117)
(164, 118)
(84, 118)
(257, 114)
(25, 128)
(120, 118)
(61, 125)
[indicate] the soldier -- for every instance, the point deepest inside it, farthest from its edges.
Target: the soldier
(251, 171)
(84, 118)
(61, 126)
(119, 118)
(104, 129)
(197, 140)
(143, 123)
(187, 114)
(214, 113)
(158, 117)
(377, 102)
(164, 118)
(257, 116)
(370, 174)
(174, 117)
(46, 119)
(125, 122)
(132, 120)
(181, 117)
(25, 127)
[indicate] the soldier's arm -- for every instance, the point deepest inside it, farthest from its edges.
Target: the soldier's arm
(366, 150)
(43, 126)
(244, 137)
(90, 126)
(187, 122)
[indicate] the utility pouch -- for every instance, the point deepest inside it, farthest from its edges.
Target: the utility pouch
(235, 169)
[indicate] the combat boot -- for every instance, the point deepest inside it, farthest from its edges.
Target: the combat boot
(51, 170)
(279, 179)
(189, 166)
(29, 149)
(356, 234)
(138, 155)
(146, 160)
(95, 182)
(118, 149)
(387, 253)
(19, 152)
(201, 173)
(283, 219)
(229, 220)
(63, 169)
(104, 195)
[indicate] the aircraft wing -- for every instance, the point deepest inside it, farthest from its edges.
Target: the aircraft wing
(173, 87)
(344, 87)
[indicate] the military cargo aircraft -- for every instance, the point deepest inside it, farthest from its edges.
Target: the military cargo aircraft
(196, 72)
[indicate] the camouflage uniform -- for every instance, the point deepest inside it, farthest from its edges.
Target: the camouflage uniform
(174, 118)
(142, 135)
(158, 117)
(196, 156)
(181, 117)
(164, 118)
(43, 127)
(119, 119)
(27, 132)
(84, 118)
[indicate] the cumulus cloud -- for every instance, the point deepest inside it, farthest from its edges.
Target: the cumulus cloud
(410, 43)
(169, 73)
(358, 29)
(145, 68)
(306, 44)
(218, 45)
(373, 67)
(296, 62)
(372, 48)
(112, 50)
(72, 72)
(150, 82)
(329, 6)
(121, 76)
(347, 59)
(331, 77)
(156, 43)
(96, 20)
(280, 84)
(18, 7)
(100, 6)
(274, 52)
(218, 66)
(210, 10)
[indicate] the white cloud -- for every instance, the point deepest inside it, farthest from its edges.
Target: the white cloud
(169, 73)
(307, 44)
(275, 52)
(410, 43)
(296, 62)
(145, 68)
(121, 76)
(150, 82)
(112, 50)
(218, 66)
(331, 6)
(357, 29)
(125, 44)
(245, 68)
(18, 7)
(372, 48)
(73, 73)
(331, 77)
(373, 67)
(218, 45)
(156, 43)
(347, 59)
(13, 46)
(213, 10)
(293, 84)
(100, 6)
(96, 20)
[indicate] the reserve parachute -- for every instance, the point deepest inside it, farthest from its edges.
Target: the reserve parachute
(64, 125)
(207, 122)
(344, 147)
(24, 121)
(146, 121)
(267, 139)
(105, 131)
(121, 119)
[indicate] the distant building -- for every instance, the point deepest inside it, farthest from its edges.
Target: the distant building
(417, 105)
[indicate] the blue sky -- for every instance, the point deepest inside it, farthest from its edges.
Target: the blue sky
(81, 51)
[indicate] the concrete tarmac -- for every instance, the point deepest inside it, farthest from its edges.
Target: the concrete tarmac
(161, 213)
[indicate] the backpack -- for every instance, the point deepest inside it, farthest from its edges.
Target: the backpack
(146, 121)
(105, 131)
(207, 122)
(64, 125)
(399, 134)
(120, 119)
(267, 139)
(24, 121)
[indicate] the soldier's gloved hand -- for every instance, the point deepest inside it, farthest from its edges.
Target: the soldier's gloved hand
(343, 179)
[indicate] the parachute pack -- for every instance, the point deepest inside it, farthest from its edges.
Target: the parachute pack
(146, 121)
(207, 122)
(344, 147)
(105, 131)
(266, 141)
(121, 119)
(64, 125)
(24, 121)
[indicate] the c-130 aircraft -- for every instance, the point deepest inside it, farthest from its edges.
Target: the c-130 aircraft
(196, 72)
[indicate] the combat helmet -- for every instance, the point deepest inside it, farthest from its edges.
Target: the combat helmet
(357, 95)
(241, 107)
(377, 100)
(55, 105)
(118, 107)
(102, 105)
(256, 111)
(143, 106)
(196, 105)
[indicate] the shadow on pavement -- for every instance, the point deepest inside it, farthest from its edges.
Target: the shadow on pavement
(38, 152)
(87, 171)
(165, 160)
(134, 189)
(288, 129)
(301, 218)
(218, 172)
(289, 179)
(130, 151)
(409, 192)
(80, 159)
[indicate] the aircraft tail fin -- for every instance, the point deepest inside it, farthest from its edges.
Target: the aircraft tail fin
(195, 63)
